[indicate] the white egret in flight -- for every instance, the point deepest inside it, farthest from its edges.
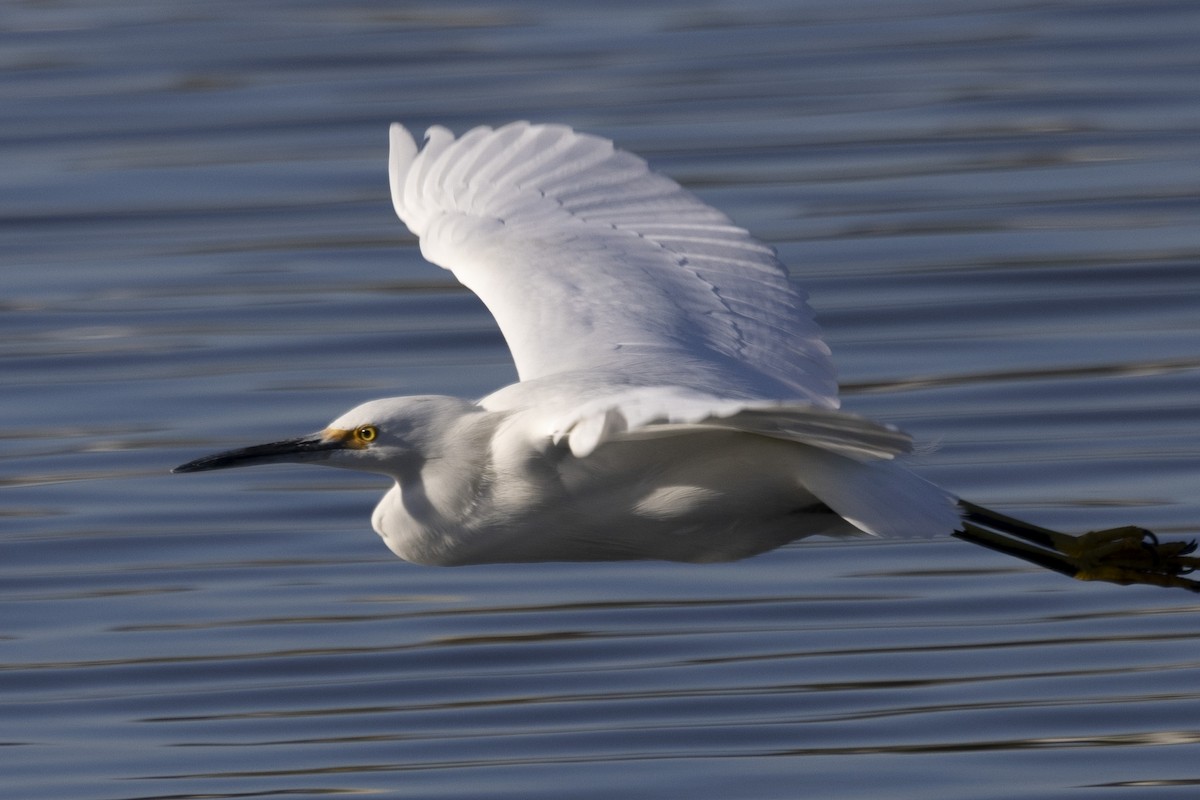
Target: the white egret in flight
(676, 399)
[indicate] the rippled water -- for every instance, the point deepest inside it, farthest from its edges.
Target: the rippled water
(993, 204)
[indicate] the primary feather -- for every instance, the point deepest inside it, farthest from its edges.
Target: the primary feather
(593, 264)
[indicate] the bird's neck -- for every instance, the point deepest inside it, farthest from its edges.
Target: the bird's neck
(433, 511)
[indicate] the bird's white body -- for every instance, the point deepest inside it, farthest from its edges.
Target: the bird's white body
(476, 486)
(675, 400)
(502, 494)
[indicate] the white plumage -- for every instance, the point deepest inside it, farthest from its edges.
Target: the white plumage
(591, 263)
(675, 401)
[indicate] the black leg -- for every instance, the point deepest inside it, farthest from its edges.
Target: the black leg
(1124, 555)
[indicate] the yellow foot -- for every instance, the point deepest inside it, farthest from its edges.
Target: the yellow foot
(1130, 555)
(1125, 555)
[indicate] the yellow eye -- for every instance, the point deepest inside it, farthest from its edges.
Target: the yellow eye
(367, 433)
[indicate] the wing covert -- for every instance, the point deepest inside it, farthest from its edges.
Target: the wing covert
(590, 262)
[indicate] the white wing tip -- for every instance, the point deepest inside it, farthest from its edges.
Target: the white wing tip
(402, 151)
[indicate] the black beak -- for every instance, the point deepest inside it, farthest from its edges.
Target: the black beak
(306, 448)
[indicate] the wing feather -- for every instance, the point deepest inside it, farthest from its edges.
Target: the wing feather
(591, 263)
(660, 412)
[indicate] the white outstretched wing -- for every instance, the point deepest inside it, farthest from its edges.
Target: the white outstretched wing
(595, 266)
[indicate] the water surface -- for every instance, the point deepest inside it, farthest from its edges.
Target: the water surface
(993, 205)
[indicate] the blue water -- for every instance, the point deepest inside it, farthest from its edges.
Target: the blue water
(993, 205)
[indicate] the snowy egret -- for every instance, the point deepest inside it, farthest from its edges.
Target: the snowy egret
(676, 399)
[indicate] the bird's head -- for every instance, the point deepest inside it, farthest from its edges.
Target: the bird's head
(388, 436)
